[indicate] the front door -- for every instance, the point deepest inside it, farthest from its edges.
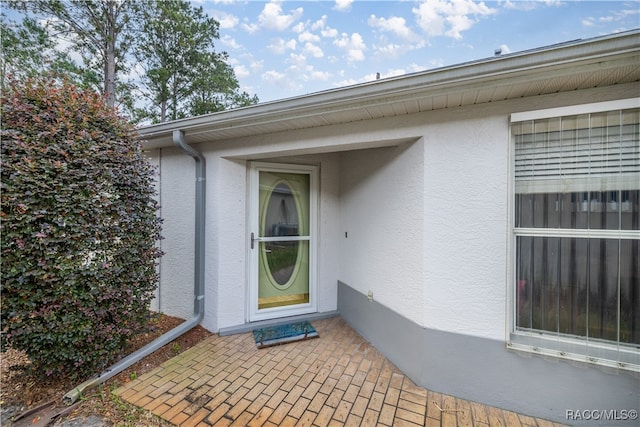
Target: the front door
(282, 240)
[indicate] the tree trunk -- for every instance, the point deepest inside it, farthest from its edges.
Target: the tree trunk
(174, 98)
(110, 54)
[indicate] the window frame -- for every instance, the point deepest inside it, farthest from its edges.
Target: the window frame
(590, 351)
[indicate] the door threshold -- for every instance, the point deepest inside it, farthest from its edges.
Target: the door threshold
(250, 326)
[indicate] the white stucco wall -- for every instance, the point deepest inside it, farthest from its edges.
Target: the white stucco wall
(226, 244)
(466, 213)
(424, 200)
(382, 214)
(153, 157)
(329, 232)
(177, 204)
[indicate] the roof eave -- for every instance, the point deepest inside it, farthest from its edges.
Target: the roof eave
(539, 61)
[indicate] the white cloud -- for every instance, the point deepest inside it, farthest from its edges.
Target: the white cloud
(393, 73)
(313, 50)
(386, 49)
(619, 16)
(343, 5)
(300, 70)
(414, 68)
(449, 18)
(256, 65)
(396, 25)
(353, 46)
(281, 80)
(272, 17)
(325, 30)
(525, 5)
(226, 20)
(347, 82)
(280, 46)
(273, 75)
(320, 23)
(504, 49)
(329, 32)
(229, 41)
(241, 71)
(297, 74)
(319, 76)
(528, 5)
(306, 36)
(298, 63)
(249, 27)
(299, 27)
(389, 50)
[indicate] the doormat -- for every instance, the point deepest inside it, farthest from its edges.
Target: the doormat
(282, 334)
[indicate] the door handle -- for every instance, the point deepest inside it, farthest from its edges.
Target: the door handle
(254, 239)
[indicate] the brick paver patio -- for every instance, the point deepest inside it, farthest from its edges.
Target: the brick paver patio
(336, 380)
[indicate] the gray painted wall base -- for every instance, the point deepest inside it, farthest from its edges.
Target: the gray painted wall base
(248, 327)
(482, 370)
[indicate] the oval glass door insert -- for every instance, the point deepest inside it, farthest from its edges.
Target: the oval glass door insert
(281, 221)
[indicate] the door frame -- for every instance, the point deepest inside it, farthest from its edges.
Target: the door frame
(254, 313)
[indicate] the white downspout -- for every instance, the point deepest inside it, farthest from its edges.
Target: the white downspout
(198, 306)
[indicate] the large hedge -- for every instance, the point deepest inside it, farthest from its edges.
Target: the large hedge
(79, 228)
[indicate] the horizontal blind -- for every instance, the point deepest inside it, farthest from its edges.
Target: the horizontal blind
(590, 152)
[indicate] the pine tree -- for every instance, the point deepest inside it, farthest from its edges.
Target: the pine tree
(97, 29)
(184, 75)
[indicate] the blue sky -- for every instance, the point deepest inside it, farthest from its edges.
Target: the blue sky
(281, 49)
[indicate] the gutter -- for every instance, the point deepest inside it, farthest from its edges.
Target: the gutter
(198, 306)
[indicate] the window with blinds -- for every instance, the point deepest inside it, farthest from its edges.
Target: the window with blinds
(590, 152)
(577, 235)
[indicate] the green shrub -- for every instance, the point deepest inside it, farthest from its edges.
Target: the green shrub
(79, 228)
